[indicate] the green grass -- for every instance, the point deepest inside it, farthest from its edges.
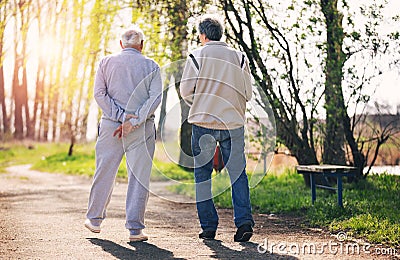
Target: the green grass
(220, 185)
(165, 171)
(274, 194)
(372, 210)
(281, 193)
(371, 207)
(16, 153)
(51, 157)
(82, 162)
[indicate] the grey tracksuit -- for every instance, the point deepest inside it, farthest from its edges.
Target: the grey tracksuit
(126, 83)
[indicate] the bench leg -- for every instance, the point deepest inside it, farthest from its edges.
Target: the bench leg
(313, 192)
(339, 190)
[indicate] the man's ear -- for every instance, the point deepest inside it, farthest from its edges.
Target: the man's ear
(120, 43)
(141, 44)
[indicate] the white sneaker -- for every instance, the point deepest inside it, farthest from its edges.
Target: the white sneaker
(138, 238)
(91, 227)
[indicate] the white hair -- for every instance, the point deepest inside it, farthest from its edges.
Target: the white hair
(132, 37)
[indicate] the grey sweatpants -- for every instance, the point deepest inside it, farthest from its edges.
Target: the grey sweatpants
(138, 147)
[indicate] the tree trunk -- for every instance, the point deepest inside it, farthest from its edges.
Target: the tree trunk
(179, 13)
(18, 102)
(24, 88)
(20, 85)
(39, 98)
(4, 117)
(334, 152)
(53, 107)
(5, 123)
(163, 113)
(186, 155)
(358, 158)
(71, 146)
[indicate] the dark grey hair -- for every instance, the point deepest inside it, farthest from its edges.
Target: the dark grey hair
(132, 37)
(211, 27)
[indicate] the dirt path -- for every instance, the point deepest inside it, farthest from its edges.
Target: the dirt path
(42, 214)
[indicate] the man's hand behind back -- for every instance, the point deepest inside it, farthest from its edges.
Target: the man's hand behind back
(125, 128)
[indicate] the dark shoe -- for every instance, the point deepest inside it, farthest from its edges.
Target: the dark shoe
(207, 235)
(243, 233)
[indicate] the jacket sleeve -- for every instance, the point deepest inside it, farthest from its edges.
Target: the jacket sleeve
(153, 100)
(106, 103)
(188, 81)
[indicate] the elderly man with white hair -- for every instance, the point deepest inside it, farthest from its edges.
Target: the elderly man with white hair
(128, 90)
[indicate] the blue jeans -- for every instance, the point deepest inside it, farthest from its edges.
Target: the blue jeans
(231, 142)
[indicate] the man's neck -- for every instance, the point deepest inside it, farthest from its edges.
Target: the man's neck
(138, 48)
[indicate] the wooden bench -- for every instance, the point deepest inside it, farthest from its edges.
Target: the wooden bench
(327, 170)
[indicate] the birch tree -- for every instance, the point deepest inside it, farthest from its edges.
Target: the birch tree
(5, 10)
(22, 19)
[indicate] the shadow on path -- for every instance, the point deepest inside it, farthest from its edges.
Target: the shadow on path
(249, 252)
(139, 250)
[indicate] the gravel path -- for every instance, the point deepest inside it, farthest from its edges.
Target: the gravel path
(42, 215)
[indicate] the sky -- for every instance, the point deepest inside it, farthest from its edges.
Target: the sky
(387, 86)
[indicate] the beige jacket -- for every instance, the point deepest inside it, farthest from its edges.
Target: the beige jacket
(216, 83)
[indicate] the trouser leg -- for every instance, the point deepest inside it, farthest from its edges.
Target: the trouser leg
(232, 147)
(109, 152)
(203, 147)
(139, 158)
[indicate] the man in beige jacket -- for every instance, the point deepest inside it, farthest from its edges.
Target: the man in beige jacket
(216, 83)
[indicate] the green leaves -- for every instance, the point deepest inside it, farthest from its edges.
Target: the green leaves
(356, 36)
(394, 35)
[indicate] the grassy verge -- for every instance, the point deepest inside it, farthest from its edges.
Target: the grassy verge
(163, 171)
(371, 210)
(82, 162)
(285, 193)
(371, 207)
(16, 153)
(51, 157)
